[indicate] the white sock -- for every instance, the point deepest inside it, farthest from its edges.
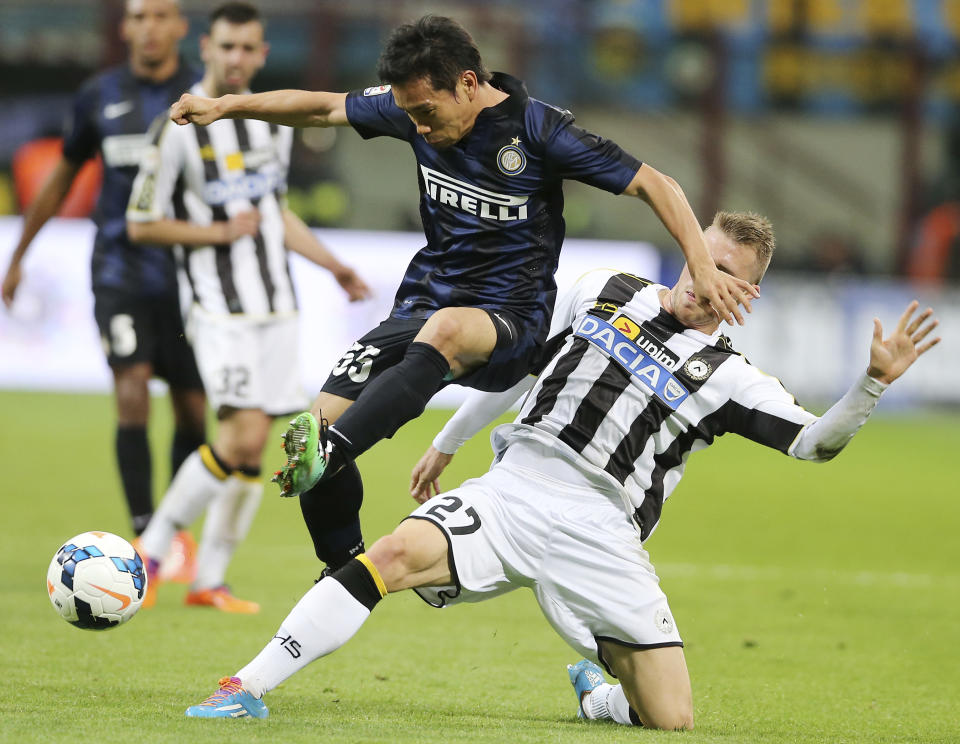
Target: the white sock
(607, 701)
(227, 523)
(324, 619)
(193, 487)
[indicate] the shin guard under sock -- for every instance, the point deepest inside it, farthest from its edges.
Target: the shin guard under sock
(331, 510)
(391, 400)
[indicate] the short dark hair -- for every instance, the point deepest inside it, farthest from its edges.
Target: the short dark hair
(236, 13)
(434, 48)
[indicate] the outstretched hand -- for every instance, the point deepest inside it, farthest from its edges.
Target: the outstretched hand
(891, 357)
(423, 480)
(725, 293)
(191, 109)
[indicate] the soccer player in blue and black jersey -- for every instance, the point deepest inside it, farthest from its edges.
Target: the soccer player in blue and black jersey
(475, 304)
(135, 287)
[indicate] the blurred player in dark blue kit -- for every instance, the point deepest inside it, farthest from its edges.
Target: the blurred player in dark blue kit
(474, 306)
(135, 286)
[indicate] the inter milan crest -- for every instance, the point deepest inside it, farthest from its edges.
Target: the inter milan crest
(510, 159)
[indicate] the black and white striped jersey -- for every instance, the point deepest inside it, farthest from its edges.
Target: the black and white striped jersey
(206, 174)
(629, 393)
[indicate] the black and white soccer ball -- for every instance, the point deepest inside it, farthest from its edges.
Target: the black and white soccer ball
(96, 581)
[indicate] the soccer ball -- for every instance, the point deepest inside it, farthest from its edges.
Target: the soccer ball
(96, 581)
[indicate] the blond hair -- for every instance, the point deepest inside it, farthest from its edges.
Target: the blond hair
(749, 229)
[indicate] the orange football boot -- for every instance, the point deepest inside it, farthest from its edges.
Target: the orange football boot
(222, 599)
(180, 563)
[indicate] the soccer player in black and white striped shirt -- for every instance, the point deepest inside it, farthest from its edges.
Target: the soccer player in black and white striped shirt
(639, 377)
(217, 194)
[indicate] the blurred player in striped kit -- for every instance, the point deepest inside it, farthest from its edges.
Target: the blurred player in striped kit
(134, 286)
(217, 194)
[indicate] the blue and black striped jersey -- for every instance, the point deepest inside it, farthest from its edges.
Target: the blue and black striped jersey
(111, 114)
(492, 205)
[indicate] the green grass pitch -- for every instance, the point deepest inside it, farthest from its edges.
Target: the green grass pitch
(819, 603)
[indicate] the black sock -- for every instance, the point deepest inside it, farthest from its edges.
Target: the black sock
(361, 578)
(136, 475)
(331, 510)
(184, 442)
(394, 398)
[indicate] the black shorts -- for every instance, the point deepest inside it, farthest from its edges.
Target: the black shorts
(135, 328)
(513, 357)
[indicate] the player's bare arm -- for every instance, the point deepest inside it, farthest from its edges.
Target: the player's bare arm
(43, 207)
(666, 198)
(292, 108)
(891, 357)
(300, 239)
(181, 232)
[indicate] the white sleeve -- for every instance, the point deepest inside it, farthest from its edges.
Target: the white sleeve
(478, 410)
(151, 197)
(823, 439)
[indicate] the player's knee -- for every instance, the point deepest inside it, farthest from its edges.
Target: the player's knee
(662, 710)
(247, 459)
(443, 331)
(133, 398)
(670, 718)
(241, 437)
(242, 456)
(656, 684)
(246, 449)
(392, 556)
(190, 411)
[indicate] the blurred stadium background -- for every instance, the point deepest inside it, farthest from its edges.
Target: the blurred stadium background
(836, 118)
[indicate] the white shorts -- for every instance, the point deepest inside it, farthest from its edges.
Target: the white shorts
(572, 544)
(248, 362)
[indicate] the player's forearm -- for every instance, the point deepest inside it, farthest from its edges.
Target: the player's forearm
(670, 204)
(824, 438)
(299, 238)
(293, 108)
(178, 232)
(45, 205)
(478, 410)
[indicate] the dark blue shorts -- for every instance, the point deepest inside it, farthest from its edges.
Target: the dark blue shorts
(136, 328)
(513, 357)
